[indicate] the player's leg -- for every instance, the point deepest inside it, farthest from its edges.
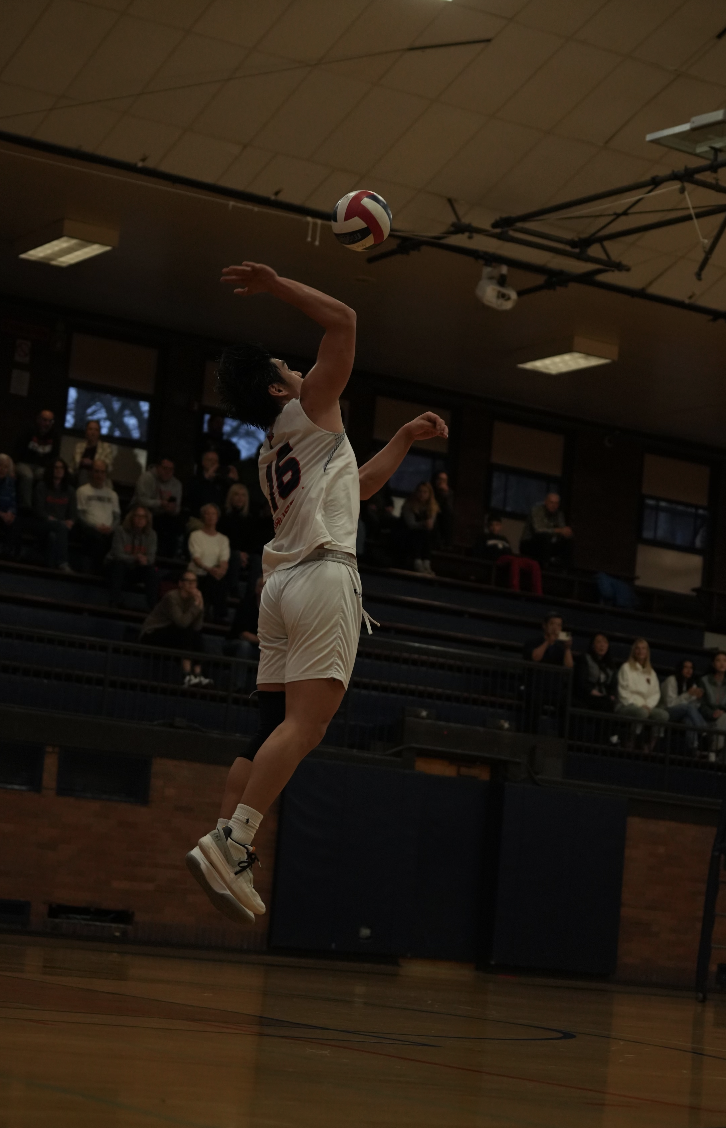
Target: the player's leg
(271, 713)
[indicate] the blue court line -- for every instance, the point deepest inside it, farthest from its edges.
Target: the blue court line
(107, 1102)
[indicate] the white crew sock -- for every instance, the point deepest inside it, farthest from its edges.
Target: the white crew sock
(222, 823)
(244, 824)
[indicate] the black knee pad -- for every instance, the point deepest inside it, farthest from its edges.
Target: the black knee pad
(271, 714)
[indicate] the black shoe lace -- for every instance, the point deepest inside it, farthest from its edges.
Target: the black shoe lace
(249, 860)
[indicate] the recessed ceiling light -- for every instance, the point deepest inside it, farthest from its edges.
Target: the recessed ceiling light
(66, 242)
(583, 354)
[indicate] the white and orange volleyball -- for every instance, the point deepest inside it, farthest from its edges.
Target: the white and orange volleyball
(361, 220)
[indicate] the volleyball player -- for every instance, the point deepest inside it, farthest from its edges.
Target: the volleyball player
(310, 613)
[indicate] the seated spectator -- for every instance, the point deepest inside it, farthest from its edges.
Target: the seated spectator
(554, 645)
(208, 486)
(54, 505)
(639, 692)
(213, 439)
(9, 531)
(86, 452)
(98, 515)
(210, 554)
(247, 532)
(161, 493)
(595, 678)
(546, 536)
(34, 453)
(680, 696)
(132, 556)
(713, 702)
(419, 513)
(176, 622)
(494, 545)
(444, 528)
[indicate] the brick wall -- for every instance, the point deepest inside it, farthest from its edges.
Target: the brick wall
(126, 856)
(664, 882)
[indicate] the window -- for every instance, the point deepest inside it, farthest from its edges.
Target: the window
(14, 914)
(95, 775)
(120, 417)
(418, 466)
(673, 524)
(246, 437)
(514, 492)
(21, 766)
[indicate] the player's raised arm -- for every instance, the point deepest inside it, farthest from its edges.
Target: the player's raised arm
(374, 474)
(327, 379)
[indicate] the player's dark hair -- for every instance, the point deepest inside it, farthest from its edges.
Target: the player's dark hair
(244, 376)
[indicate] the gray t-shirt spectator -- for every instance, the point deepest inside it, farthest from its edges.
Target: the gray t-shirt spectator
(151, 492)
(127, 544)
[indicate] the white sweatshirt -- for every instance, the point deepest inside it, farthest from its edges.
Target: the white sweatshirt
(637, 686)
(212, 551)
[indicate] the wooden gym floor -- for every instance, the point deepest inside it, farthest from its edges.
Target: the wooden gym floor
(125, 1040)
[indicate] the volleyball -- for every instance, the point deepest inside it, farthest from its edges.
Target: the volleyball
(361, 220)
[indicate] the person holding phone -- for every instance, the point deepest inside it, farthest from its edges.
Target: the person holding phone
(553, 647)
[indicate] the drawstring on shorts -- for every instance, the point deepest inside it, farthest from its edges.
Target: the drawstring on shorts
(350, 563)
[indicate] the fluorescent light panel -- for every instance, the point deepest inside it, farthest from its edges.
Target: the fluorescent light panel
(66, 242)
(64, 251)
(564, 362)
(699, 136)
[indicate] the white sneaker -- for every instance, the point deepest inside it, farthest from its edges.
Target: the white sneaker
(427, 567)
(218, 894)
(232, 862)
(418, 565)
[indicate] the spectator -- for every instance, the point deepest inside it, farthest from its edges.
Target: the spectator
(161, 493)
(713, 702)
(208, 486)
(9, 533)
(595, 679)
(176, 622)
(98, 515)
(494, 545)
(546, 536)
(680, 696)
(246, 532)
(132, 556)
(419, 513)
(213, 439)
(54, 504)
(639, 692)
(380, 524)
(445, 501)
(553, 647)
(243, 640)
(36, 450)
(210, 554)
(87, 450)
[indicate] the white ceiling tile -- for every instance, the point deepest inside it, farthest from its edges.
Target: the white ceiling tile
(714, 294)
(621, 25)
(295, 178)
(77, 126)
(539, 175)
(18, 18)
(429, 143)
(561, 17)
(246, 103)
(675, 104)
(608, 168)
(204, 158)
(371, 129)
(176, 107)
(178, 13)
(559, 85)
(133, 139)
(198, 58)
(24, 124)
(309, 28)
(499, 71)
(484, 160)
(429, 72)
(18, 100)
(114, 5)
(128, 57)
(691, 28)
(506, 8)
(711, 65)
(336, 185)
(386, 25)
(607, 108)
(319, 104)
(240, 21)
(64, 37)
(246, 167)
(454, 22)
(426, 214)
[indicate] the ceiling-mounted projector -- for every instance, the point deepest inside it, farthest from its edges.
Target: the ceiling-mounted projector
(701, 135)
(493, 291)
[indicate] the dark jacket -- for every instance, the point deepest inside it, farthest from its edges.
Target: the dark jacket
(491, 546)
(590, 673)
(227, 450)
(54, 502)
(127, 543)
(37, 450)
(246, 534)
(201, 491)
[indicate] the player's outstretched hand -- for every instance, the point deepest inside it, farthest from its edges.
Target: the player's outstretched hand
(249, 278)
(427, 426)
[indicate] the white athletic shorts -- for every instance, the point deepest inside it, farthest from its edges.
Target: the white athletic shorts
(310, 618)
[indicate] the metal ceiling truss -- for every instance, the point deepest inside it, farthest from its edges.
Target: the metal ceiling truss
(507, 229)
(517, 230)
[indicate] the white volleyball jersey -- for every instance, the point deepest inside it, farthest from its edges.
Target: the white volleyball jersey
(310, 478)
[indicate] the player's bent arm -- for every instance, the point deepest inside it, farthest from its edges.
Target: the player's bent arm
(375, 473)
